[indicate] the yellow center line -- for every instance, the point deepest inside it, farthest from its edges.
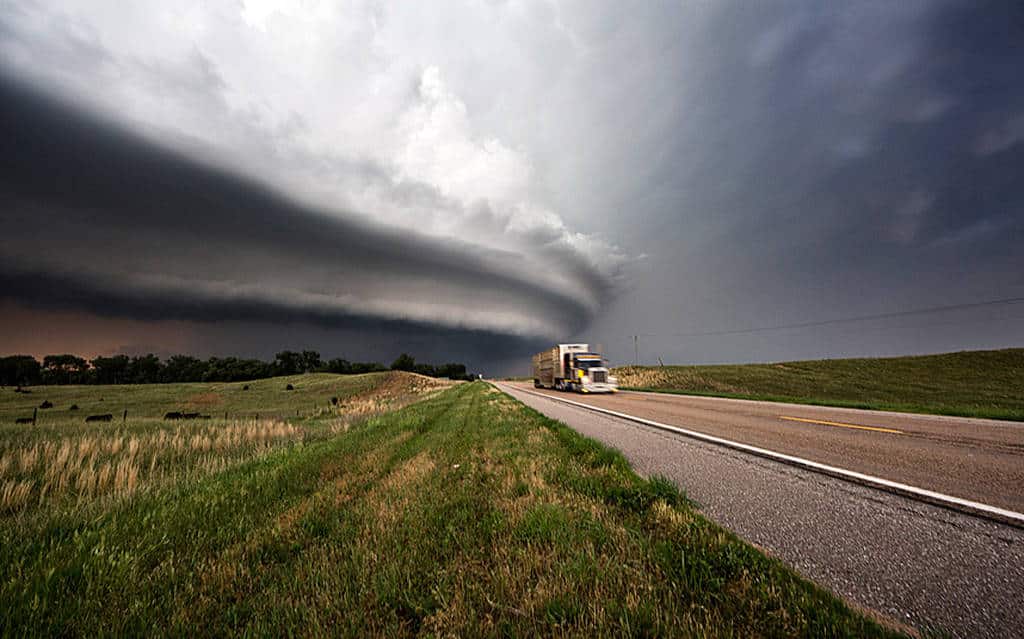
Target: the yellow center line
(842, 425)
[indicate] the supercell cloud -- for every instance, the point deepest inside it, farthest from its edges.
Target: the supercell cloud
(153, 180)
(477, 178)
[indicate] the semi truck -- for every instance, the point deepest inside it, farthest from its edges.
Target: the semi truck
(572, 367)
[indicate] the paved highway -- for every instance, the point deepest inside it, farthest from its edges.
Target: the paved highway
(919, 564)
(976, 459)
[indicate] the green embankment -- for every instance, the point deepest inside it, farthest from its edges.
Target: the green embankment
(970, 383)
(463, 514)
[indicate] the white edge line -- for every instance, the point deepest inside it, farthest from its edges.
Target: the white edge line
(956, 503)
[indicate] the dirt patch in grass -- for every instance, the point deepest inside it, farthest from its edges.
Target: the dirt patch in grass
(203, 400)
(409, 472)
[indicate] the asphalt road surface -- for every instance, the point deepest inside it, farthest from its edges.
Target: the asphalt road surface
(977, 459)
(918, 564)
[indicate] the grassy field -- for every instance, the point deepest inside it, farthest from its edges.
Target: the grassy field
(263, 397)
(63, 461)
(970, 384)
(464, 513)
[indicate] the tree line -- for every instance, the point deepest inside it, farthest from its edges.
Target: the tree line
(25, 370)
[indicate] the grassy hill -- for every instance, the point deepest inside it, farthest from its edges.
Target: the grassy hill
(969, 383)
(462, 513)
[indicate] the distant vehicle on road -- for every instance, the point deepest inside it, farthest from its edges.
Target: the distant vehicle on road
(572, 367)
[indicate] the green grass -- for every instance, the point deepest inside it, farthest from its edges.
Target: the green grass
(969, 384)
(463, 514)
(264, 397)
(64, 461)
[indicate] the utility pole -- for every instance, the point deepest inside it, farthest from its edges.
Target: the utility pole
(636, 349)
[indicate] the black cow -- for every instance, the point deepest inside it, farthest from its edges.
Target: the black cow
(100, 418)
(181, 415)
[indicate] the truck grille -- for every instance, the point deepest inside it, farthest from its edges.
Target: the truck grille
(600, 377)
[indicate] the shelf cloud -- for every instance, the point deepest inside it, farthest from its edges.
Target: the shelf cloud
(99, 219)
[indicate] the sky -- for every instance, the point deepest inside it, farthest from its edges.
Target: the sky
(472, 181)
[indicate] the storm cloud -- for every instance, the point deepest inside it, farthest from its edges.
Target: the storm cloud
(104, 221)
(483, 177)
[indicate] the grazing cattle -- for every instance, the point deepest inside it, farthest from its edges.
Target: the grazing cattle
(246, 387)
(99, 418)
(289, 387)
(173, 415)
(23, 420)
(46, 404)
(74, 407)
(181, 415)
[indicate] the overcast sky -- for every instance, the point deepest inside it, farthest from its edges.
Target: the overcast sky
(474, 180)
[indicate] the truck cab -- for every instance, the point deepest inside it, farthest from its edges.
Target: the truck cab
(588, 373)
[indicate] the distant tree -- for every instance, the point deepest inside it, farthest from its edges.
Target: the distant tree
(311, 361)
(358, 368)
(405, 362)
(110, 370)
(288, 363)
(64, 369)
(20, 370)
(144, 369)
(183, 368)
(452, 371)
(232, 369)
(338, 365)
(253, 369)
(120, 369)
(218, 369)
(425, 369)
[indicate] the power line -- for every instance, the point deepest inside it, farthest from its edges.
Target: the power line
(844, 320)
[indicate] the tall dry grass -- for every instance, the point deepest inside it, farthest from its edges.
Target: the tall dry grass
(642, 377)
(85, 467)
(64, 463)
(683, 378)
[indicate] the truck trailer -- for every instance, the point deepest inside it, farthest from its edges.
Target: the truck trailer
(572, 367)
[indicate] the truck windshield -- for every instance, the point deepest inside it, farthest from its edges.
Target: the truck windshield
(589, 363)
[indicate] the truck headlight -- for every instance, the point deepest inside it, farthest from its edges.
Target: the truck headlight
(586, 379)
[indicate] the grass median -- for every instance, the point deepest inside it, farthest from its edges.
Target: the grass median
(462, 514)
